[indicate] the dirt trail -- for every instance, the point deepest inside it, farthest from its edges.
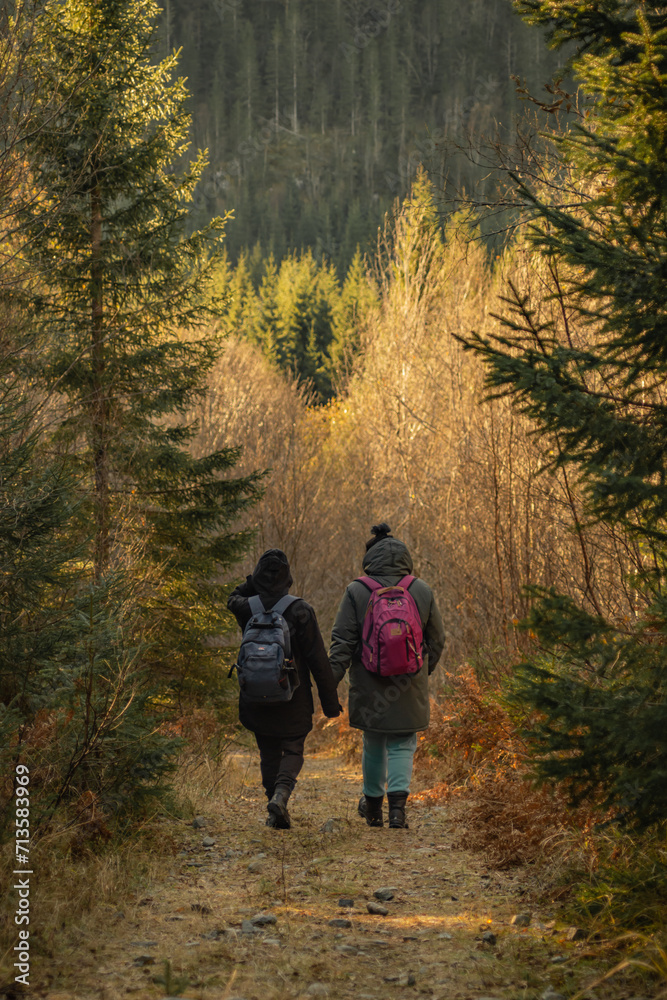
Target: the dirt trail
(430, 943)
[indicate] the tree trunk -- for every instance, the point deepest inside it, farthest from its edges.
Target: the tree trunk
(99, 401)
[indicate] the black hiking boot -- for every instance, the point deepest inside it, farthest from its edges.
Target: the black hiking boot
(397, 802)
(271, 819)
(370, 808)
(278, 808)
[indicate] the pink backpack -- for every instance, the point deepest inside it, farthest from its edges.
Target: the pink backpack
(391, 635)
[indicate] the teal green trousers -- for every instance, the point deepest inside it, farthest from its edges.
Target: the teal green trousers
(387, 760)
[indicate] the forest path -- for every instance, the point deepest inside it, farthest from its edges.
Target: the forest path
(430, 943)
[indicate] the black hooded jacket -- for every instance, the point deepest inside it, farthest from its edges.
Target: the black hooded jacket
(271, 580)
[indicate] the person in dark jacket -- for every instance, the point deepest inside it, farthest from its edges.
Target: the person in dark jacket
(389, 710)
(281, 729)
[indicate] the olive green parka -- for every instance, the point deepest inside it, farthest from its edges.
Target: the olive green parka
(389, 705)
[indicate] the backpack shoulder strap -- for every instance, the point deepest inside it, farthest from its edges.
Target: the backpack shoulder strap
(284, 603)
(406, 582)
(256, 606)
(369, 582)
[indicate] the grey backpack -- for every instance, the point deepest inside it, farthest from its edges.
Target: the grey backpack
(264, 666)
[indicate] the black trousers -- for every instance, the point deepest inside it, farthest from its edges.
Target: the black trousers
(280, 760)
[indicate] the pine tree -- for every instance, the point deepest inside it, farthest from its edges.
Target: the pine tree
(358, 296)
(37, 504)
(418, 235)
(317, 353)
(295, 335)
(37, 496)
(67, 654)
(72, 693)
(594, 387)
(125, 294)
(306, 294)
(235, 285)
(266, 327)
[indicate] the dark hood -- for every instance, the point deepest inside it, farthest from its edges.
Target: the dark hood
(271, 576)
(388, 557)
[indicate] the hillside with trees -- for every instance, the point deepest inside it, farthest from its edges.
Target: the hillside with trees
(316, 116)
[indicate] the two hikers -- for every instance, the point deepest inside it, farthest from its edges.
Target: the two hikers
(388, 700)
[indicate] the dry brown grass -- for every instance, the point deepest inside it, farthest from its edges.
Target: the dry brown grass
(474, 754)
(83, 870)
(78, 879)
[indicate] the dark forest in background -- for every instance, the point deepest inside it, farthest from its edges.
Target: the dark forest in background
(316, 115)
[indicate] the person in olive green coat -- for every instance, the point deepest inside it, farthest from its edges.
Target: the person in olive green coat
(389, 710)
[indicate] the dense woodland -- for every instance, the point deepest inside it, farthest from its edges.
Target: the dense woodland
(316, 116)
(178, 394)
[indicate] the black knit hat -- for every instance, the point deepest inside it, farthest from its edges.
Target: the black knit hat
(378, 531)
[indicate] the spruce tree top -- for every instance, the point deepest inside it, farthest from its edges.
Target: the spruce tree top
(121, 132)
